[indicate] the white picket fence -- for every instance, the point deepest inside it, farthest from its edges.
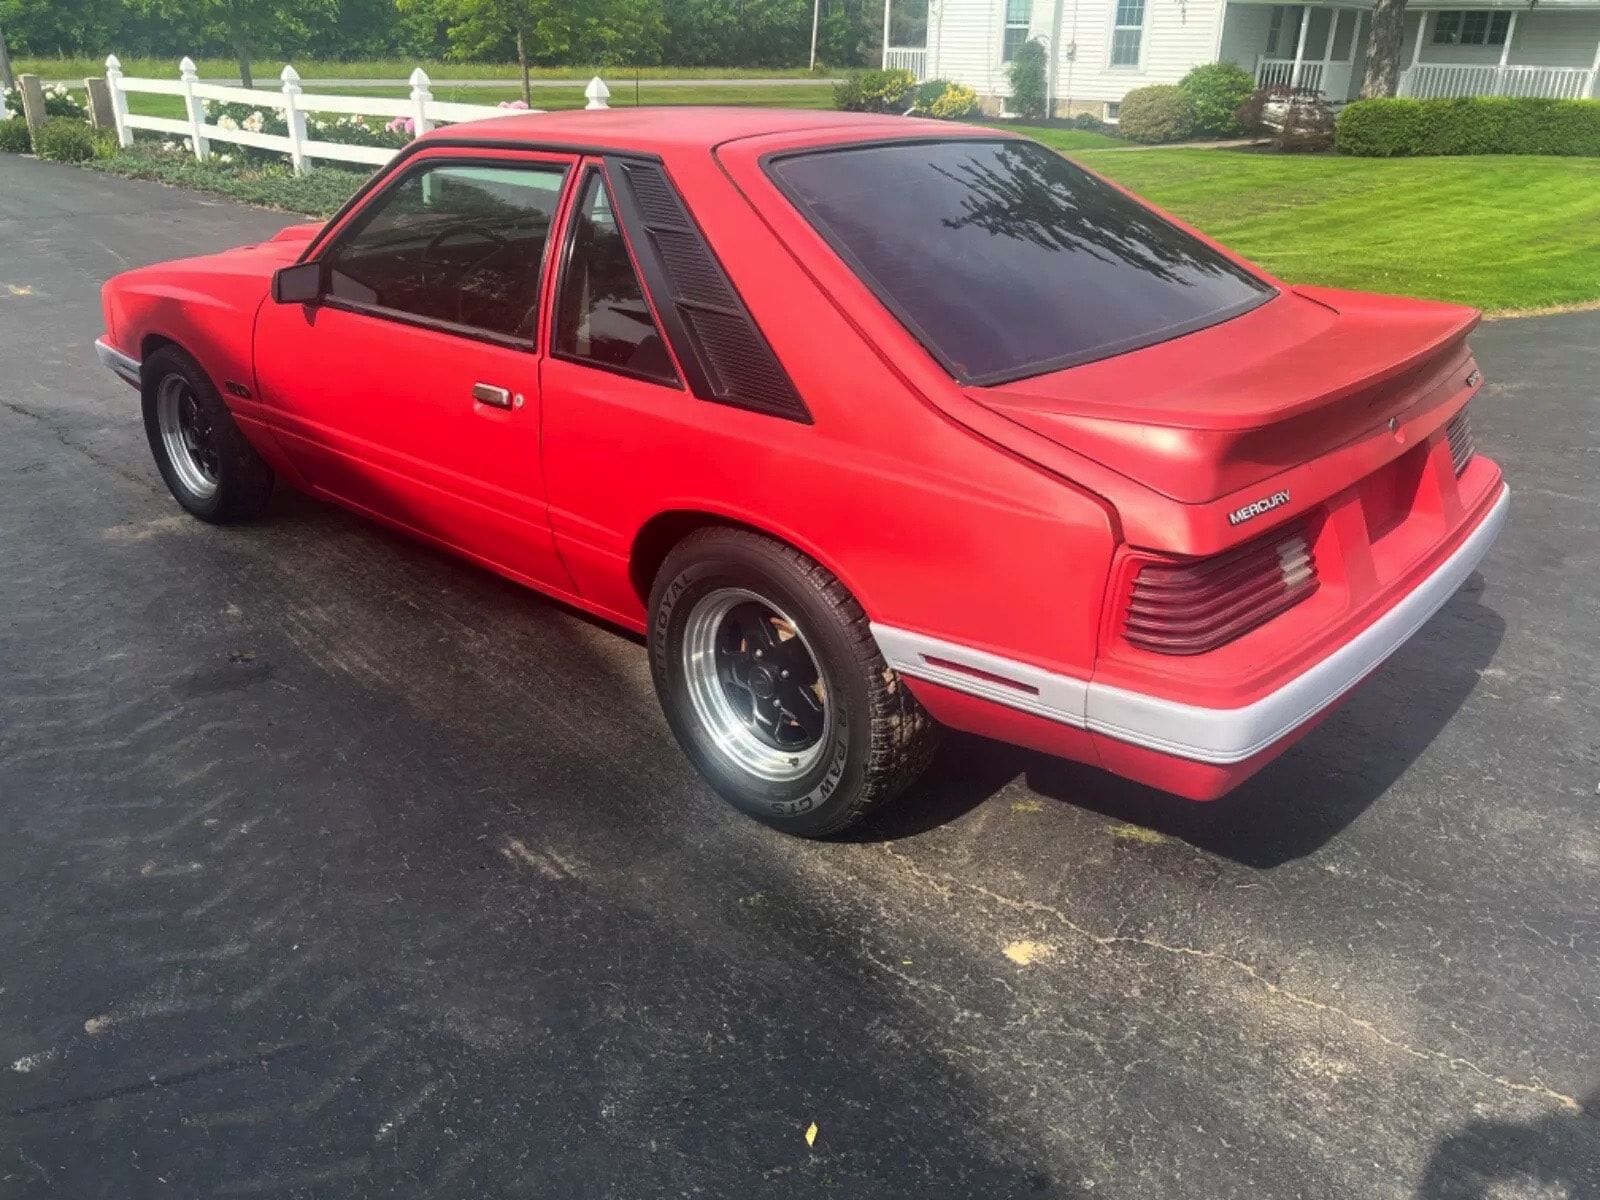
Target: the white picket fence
(422, 110)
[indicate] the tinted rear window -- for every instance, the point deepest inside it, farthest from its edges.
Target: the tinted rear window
(1006, 260)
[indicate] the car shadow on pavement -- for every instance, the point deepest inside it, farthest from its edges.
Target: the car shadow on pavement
(1559, 1152)
(1294, 806)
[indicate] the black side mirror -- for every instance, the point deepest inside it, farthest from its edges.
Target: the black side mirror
(299, 284)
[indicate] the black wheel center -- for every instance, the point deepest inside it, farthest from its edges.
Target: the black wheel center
(762, 682)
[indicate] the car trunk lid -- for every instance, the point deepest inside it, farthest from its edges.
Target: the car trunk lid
(1242, 402)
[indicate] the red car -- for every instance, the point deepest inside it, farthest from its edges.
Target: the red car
(872, 425)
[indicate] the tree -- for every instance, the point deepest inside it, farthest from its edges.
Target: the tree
(480, 28)
(1385, 44)
(7, 79)
(247, 26)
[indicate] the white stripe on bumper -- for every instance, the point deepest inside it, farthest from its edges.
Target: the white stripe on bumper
(1209, 735)
(124, 367)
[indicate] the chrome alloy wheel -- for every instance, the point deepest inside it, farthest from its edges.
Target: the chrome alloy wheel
(188, 436)
(755, 685)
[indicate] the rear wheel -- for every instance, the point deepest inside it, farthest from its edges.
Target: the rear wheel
(773, 685)
(208, 465)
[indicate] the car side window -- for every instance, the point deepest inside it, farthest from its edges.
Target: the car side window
(456, 243)
(602, 318)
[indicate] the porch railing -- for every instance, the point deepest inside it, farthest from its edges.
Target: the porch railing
(1434, 81)
(1279, 72)
(907, 58)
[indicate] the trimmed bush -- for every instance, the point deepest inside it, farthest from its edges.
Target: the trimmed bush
(1161, 113)
(945, 100)
(1473, 125)
(1218, 89)
(64, 140)
(1026, 74)
(14, 137)
(888, 91)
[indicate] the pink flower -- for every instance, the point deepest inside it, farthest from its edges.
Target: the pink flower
(513, 104)
(402, 125)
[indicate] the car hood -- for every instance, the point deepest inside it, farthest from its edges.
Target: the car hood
(1243, 401)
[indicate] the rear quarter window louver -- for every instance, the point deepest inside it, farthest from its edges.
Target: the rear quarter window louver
(724, 354)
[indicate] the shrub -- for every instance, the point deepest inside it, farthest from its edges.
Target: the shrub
(14, 137)
(1308, 124)
(876, 91)
(1293, 118)
(957, 102)
(1474, 125)
(1218, 90)
(1026, 72)
(945, 100)
(319, 192)
(64, 140)
(1161, 113)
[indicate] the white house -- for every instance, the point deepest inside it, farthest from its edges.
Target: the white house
(1098, 50)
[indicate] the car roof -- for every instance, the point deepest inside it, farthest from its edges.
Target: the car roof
(665, 129)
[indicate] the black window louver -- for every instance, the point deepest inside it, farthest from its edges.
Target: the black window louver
(722, 351)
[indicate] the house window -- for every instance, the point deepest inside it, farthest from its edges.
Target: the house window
(1019, 13)
(1275, 30)
(1113, 109)
(1471, 28)
(1127, 33)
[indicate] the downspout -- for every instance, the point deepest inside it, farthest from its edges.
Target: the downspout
(1071, 51)
(1055, 59)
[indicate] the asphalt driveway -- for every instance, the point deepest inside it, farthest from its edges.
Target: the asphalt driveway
(332, 867)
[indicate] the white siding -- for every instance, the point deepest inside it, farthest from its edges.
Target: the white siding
(1541, 39)
(1555, 39)
(1176, 38)
(1244, 35)
(964, 44)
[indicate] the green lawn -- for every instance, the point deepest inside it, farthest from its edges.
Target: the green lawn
(623, 95)
(1059, 139)
(1499, 233)
(267, 69)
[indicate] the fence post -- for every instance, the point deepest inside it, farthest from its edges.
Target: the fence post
(32, 102)
(119, 100)
(294, 118)
(99, 97)
(420, 96)
(196, 107)
(598, 93)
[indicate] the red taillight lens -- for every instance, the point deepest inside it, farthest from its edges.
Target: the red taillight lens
(1191, 607)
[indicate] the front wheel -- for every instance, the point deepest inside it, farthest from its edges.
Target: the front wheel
(208, 465)
(773, 685)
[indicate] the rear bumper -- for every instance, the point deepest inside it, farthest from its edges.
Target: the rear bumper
(1235, 741)
(120, 364)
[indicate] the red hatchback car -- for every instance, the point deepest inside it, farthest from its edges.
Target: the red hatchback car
(873, 425)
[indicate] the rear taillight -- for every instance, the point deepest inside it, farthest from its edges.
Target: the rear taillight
(1459, 431)
(1194, 606)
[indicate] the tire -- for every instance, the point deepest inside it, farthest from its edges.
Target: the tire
(721, 595)
(208, 465)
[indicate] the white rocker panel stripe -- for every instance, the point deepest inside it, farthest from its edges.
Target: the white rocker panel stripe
(1210, 735)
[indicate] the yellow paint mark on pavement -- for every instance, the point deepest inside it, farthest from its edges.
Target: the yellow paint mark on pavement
(1138, 833)
(1025, 953)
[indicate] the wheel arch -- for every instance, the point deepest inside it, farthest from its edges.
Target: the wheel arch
(657, 537)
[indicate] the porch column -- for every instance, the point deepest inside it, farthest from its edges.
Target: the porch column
(1300, 46)
(1505, 54)
(1422, 32)
(1594, 73)
(1327, 47)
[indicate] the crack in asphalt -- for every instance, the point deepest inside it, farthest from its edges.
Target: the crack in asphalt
(948, 885)
(66, 440)
(152, 1082)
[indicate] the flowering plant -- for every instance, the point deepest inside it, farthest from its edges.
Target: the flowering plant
(58, 102)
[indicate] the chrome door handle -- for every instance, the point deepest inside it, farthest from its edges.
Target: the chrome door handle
(487, 393)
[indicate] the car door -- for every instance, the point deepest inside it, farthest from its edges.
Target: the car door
(411, 389)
